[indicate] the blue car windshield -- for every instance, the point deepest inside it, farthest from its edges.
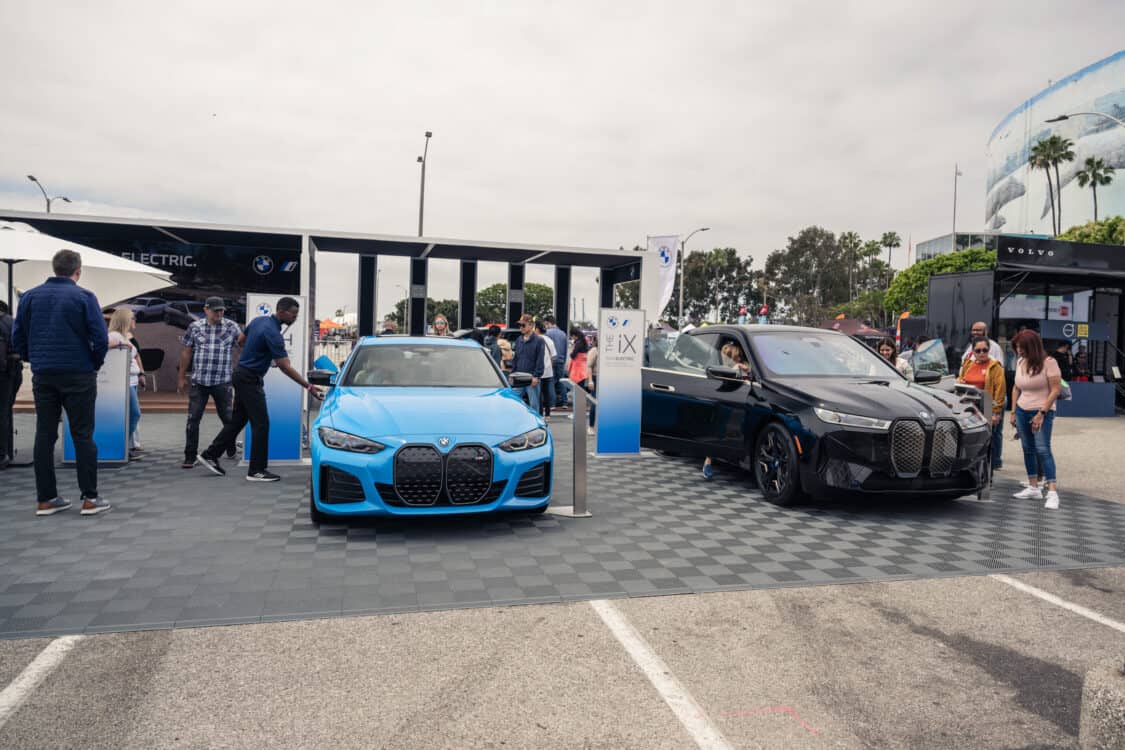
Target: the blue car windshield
(807, 353)
(422, 366)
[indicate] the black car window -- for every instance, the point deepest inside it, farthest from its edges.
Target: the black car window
(422, 366)
(693, 354)
(810, 353)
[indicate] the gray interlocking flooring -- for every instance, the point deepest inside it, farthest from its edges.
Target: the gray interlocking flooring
(185, 548)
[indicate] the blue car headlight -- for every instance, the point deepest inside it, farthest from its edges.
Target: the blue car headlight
(344, 441)
(530, 439)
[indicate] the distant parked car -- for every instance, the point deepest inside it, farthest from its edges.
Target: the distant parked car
(147, 308)
(183, 314)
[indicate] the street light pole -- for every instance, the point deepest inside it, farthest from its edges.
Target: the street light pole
(683, 250)
(422, 191)
(45, 197)
(956, 174)
(1060, 118)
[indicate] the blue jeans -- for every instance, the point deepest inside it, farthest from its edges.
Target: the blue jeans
(134, 415)
(1036, 445)
(532, 395)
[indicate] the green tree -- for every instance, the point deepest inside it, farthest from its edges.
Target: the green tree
(909, 289)
(492, 302)
(1040, 158)
(850, 245)
(805, 280)
(1110, 231)
(447, 307)
(627, 295)
(869, 307)
(1059, 150)
(1095, 173)
(890, 240)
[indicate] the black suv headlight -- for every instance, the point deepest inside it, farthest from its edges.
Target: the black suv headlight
(343, 441)
(530, 439)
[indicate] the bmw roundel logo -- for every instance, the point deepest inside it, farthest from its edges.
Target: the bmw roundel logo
(612, 322)
(264, 309)
(263, 264)
(926, 416)
(665, 256)
(443, 442)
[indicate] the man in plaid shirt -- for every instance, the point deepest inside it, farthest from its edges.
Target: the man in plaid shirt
(207, 347)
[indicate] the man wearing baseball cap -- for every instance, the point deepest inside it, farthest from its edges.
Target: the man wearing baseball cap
(207, 348)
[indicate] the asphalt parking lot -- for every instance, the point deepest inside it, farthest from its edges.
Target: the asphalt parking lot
(900, 656)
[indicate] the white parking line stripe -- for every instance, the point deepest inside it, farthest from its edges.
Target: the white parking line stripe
(1077, 609)
(695, 721)
(13, 696)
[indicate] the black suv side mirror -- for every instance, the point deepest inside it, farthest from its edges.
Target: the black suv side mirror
(927, 377)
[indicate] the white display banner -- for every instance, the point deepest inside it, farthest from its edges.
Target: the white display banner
(658, 274)
(621, 346)
(111, 411)
(285, 399)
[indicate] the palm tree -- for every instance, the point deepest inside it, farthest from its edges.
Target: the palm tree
(890, 240)
(1040, 158)
(1096, 173)
(1061, 150)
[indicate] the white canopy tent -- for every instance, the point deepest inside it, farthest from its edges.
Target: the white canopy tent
(25, 255)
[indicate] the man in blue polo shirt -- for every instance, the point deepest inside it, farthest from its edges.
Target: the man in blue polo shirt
(529, 349)
(262, 345)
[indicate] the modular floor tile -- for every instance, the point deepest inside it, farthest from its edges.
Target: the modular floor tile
(183, 548)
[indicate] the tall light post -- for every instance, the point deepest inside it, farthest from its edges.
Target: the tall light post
(422, 192)
(39, 184)
(683, 251)
(956, 174)
(1060, 118)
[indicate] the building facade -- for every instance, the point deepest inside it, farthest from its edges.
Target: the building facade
(946, 243)
(1017, 201)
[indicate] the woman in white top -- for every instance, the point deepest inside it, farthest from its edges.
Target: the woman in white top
(547, 382)
(121, 325)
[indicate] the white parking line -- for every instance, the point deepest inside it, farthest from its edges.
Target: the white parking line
(1077, 609)
(13, 696)
(695, 721)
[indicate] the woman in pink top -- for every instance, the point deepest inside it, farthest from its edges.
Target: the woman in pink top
(1037, 385)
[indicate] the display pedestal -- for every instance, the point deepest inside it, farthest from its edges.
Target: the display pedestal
(1089, 400)
(111, 412)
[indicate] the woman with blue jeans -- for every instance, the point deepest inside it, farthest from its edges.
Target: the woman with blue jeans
(1036, 389)
(121, 325)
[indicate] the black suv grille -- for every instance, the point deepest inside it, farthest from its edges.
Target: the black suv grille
(337, 486)
(418, 474)
(535, 481)
(908, 445)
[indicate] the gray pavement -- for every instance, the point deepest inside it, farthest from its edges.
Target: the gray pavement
(952, 663)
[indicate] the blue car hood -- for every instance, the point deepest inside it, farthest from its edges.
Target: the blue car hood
(429, 412)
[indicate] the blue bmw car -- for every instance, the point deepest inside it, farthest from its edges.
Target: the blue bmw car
(423, 426)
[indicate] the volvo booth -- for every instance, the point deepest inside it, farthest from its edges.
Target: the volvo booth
(1069, 292)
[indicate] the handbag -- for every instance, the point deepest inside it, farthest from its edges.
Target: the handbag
(1064, 388)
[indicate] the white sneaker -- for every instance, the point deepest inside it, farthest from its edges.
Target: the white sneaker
(1029, 493)
(1052, 501)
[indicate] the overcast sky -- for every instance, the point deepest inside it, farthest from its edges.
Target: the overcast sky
(582, 123)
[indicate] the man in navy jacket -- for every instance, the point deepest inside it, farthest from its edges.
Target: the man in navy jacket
(59, 329)
(529, 352)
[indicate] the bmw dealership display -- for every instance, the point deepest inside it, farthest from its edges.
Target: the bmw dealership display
(811, 411)
(426, 426)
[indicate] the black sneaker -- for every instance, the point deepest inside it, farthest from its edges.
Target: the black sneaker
(262, 476)
(213, 465)
(231, 452)
(189, 463)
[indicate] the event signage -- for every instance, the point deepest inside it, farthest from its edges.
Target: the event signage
(1071, 330)
(111, 411)
(658, 274)
(285, 399)
(1014, 250)
(621, 345)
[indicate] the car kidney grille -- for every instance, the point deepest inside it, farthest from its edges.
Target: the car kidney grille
(468, 474)
(944, 450)
(418, 475)
(908, 446)
(337, 486)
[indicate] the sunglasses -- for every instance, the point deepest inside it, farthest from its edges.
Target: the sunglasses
(980, 351)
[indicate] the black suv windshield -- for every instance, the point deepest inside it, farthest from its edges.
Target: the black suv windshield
(809, 353)
(422, 366)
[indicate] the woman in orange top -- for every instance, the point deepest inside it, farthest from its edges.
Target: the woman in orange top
(987, 374)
